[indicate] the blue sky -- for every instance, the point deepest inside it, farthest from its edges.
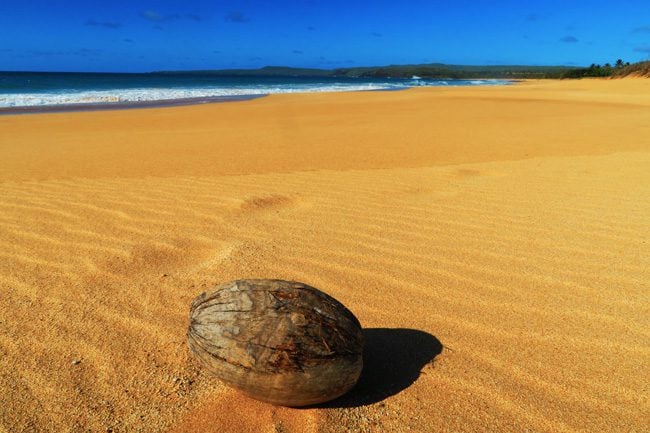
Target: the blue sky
(130, 35)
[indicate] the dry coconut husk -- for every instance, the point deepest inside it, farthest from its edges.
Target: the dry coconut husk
(278, 341)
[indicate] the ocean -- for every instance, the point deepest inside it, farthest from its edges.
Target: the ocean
(36, 89)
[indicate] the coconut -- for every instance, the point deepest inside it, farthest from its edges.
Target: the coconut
(281, 342)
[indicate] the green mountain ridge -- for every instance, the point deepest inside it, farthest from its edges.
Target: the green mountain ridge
(438, 70)
(432, 70)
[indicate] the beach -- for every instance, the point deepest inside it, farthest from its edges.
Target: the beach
(492, 241)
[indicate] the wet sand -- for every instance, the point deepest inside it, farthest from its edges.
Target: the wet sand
(125, 105)
(492, 241)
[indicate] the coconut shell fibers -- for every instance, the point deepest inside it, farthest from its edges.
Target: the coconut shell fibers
(282, 342)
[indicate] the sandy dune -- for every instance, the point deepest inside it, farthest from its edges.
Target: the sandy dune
(493, 241)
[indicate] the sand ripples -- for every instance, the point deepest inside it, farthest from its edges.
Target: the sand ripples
(108, 269)
(533, 275)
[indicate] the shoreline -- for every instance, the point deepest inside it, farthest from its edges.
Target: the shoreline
(126, 105)
(163, 103)
(183, 137)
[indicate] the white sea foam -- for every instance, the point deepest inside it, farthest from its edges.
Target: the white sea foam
(157, 94)
(65, 97)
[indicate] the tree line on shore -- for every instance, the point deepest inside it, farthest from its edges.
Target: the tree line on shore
(441, 71)
(596, 70)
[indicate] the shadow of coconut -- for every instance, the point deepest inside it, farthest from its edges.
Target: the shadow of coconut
(392, 361)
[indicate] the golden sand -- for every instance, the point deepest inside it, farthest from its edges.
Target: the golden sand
(507, 228)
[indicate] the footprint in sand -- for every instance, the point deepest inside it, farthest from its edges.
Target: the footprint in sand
(266, 203)
(232, 411)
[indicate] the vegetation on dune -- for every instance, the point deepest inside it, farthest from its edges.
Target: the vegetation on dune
(617, 70)
(641, 69)
(595, 70)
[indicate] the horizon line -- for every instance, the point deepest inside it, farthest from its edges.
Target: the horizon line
(296, 67)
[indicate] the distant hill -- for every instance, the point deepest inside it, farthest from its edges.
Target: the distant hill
(438, 70)
(433, 70)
